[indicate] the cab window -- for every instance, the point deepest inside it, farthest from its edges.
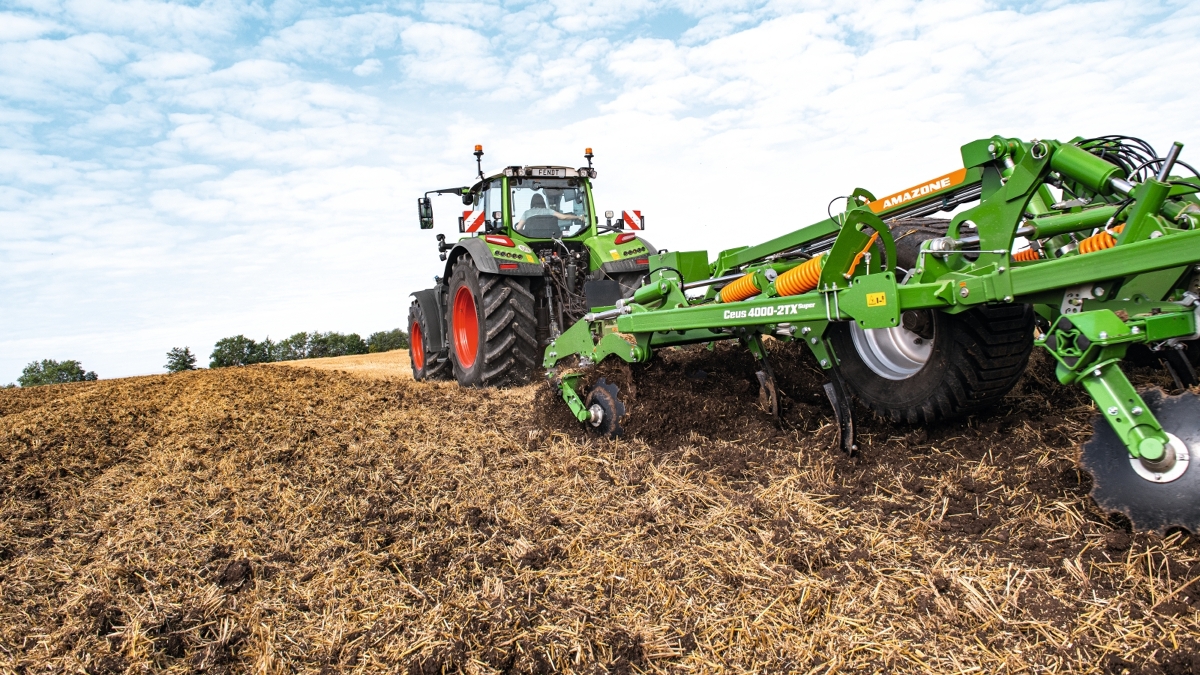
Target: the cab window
(548, 208)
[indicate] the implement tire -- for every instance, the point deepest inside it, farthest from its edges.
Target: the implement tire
(963, 363)
(910, 233)
(492, 326)
(421, 354)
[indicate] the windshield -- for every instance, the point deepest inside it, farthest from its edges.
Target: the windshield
(548, 208)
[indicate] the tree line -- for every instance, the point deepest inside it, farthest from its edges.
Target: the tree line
(238, 350)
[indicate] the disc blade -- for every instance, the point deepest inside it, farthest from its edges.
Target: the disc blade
(1118, 487)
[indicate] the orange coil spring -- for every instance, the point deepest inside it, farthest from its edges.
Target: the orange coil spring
(801, 278)
(1099, 241)
(740, 289)
(1028, 255)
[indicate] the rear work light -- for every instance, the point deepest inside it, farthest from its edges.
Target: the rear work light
(625, 237)
(508, 266)
(499, 240)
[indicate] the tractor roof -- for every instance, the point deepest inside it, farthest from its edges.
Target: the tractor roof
(546, 171)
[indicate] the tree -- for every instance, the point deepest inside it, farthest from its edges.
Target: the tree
(387, 340)
(292, 348)
(321, 345)
(240, 350)
(179, 360)
(50, 371)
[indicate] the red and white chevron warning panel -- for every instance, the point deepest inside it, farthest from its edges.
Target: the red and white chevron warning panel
(472, 220)
(633, 219)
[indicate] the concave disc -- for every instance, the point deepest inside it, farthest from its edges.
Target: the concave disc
(1157, 506)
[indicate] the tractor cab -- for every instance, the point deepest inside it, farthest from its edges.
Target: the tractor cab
(542, 202)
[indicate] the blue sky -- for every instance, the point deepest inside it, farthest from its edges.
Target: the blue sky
(174, 173)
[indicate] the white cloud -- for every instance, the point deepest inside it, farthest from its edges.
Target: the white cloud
(337, 38)
(14, 27)
(368, 67)
(154, 20)
(447, 54)
(162, 65)
(472, 14)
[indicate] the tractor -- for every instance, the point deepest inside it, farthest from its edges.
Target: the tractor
(534, 259)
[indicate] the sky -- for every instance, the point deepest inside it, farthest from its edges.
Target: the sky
(172, 173)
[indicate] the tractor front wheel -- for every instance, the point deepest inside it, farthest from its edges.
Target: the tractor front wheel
(492, 326)
(936, 365)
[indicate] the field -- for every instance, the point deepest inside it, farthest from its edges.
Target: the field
(339, 517)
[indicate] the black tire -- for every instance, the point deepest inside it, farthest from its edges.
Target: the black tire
(421, 354)
(910, 233)
(975, 358)
(500, 348)
(630, 282)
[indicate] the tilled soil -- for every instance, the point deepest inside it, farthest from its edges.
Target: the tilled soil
(289, 519)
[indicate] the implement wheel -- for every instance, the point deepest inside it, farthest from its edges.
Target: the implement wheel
(936, 365)
(492, 327)
(421, 353)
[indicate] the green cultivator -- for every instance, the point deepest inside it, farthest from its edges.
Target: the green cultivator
(1089, 249)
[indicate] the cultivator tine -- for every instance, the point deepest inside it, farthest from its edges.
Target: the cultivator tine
(843, 413)
(768, 393)
(1180, 368)
(1122, 484)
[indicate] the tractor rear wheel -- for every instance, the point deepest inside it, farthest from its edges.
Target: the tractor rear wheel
(492, 327)
(421, 352)
(936, 365)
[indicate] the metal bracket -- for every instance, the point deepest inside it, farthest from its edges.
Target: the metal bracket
(1073, 297)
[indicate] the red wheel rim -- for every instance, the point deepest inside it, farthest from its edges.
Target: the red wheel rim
(416, 347)
(466, 327)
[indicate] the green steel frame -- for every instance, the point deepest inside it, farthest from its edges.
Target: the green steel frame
(1096, 304)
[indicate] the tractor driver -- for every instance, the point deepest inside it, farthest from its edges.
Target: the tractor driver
(537, 207)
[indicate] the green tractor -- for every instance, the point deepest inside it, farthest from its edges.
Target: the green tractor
(534, 259)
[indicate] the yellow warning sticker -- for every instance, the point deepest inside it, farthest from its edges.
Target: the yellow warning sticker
(876, 299)
(615, 255)
(530, 258)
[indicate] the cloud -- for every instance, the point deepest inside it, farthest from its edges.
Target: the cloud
(450, 54)
(156, 21)
(472, 14)
(368, 67)
(337, 38)
(162, 65)
(14, 27)
(52, 70)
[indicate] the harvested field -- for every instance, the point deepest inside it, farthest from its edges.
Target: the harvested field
(388, 365)
(296, 519)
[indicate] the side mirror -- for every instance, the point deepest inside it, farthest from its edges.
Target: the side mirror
(425, 212)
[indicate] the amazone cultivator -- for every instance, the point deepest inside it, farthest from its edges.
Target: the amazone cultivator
(1088, 249)
(1084, 248)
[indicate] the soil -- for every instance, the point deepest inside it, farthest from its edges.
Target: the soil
(292, 519)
